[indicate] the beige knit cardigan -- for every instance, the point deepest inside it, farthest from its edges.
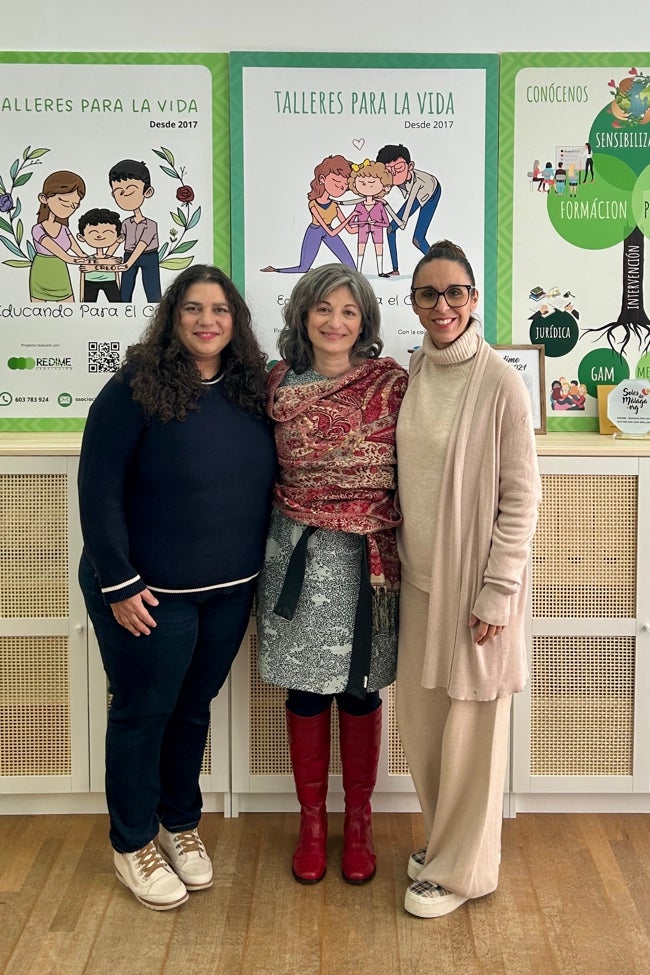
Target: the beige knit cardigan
(489, 501)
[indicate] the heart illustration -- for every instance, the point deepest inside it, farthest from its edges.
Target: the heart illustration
(633, 71)
(612, 84)
(358, 144)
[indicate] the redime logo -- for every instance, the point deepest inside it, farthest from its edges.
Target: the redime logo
(40, 362)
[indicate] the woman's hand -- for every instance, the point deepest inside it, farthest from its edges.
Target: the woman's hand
(133, 614)
(483, 631)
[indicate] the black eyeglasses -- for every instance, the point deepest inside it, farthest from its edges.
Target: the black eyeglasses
(456, 295)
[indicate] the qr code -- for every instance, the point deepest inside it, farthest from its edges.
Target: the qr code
(103, 356)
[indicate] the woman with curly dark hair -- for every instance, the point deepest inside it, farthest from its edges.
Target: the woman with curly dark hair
(176, 471)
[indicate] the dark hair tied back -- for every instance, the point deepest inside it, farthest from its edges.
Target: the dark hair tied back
(445, 250)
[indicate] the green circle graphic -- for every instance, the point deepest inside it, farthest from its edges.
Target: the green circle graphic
(602, 367)
(64, 399)
(21, 362)
(557, 332)
(643, 367)
(602, 213)
(641, 202)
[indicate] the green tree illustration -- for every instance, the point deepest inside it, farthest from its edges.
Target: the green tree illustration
(615, 207)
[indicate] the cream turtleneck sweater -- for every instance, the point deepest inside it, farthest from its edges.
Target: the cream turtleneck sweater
(425, 422)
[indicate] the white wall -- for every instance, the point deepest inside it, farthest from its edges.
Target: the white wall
(335, 25)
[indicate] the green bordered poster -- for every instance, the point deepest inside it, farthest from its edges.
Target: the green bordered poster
(407, 141)
(574, 216)
(113, 178)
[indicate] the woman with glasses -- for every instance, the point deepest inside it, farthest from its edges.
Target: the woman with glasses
(469, 489)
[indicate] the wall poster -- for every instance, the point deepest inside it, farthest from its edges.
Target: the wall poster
(363, 159)
(575, 148)
(113, 178)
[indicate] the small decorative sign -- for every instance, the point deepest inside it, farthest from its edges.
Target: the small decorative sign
(528, 360)
(628, 406)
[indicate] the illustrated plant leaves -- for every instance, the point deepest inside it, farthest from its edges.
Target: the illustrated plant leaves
(194, 219)
(175, 217)
(5, 226)
(9, 244)
(169, 156)
(37, 153)
(14, 169)
(31, 250)
(176, 263)
(19, 232)
(22, 179)
(26, 153)
(185, 246)
(170, 172)
(18, 208)
(163, 250)
(17, 263)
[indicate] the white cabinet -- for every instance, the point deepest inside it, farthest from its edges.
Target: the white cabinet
(43, 660)
(53, 694)
(582, 726)
(581, 729)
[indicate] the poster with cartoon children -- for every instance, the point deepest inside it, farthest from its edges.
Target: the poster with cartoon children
(108, 185)
(364, 160)
(574, 147)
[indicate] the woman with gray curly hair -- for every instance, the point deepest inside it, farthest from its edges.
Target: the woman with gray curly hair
(328, 592)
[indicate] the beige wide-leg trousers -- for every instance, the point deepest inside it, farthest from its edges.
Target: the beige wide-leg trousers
(457, 755)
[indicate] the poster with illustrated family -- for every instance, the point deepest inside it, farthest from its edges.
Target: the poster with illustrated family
(364, 160)
(111, 169)
(575, 150)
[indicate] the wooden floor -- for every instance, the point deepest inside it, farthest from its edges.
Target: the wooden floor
(574, 898)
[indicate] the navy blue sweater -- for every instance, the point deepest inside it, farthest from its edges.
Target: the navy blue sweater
(177, 506)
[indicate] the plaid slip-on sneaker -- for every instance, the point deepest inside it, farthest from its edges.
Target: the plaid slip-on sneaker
(416, 862)
(425, 899)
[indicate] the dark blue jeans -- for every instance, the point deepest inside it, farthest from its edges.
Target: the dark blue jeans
(425, 216)
(148, 264)
(162, 686)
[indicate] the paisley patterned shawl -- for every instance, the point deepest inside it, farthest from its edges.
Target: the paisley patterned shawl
(336, 449)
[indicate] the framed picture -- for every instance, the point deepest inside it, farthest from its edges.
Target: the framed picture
(528, 360)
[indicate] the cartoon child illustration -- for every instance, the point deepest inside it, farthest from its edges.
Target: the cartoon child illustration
(101, 229)
(131, 186)
(573, 178)
(329, 183)
(549, 177)
(370, 180)
(49, 279)
(421, 191)
(567, 395)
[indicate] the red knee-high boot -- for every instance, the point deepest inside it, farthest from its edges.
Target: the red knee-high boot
(360, 744)
(309, 744)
